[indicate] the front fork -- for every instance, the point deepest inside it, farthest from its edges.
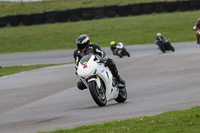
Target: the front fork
(96, 79)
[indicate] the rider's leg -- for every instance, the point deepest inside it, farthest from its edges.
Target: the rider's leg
(112, 66)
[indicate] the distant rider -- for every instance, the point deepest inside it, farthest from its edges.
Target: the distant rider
(197, 27)
(113, 47)
(84, 47)
(159, 39)
(116, 47)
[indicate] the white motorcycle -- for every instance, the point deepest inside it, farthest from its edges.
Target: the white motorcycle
(100, 81)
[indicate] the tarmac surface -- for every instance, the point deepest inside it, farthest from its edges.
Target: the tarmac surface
(47, 99)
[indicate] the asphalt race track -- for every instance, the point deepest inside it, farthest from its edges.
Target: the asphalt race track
(47, 99)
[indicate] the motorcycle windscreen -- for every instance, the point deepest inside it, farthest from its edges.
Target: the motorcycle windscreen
(87, 66)
(84, 60)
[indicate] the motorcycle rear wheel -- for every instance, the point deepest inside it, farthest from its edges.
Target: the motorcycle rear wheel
(98, 94)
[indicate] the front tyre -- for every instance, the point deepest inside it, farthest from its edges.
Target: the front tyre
(122, 96)
(127, 53)
(199, 40)
(162, 48)
(98, 94)
(172, 48)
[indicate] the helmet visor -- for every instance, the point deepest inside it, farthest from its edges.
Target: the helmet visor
(81, 46)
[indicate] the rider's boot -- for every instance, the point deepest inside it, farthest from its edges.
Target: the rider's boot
(112, 66)
(120, 80)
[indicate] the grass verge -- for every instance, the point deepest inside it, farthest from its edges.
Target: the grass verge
(187, 121)
(129, 30)
(12, 8)
(16, 69)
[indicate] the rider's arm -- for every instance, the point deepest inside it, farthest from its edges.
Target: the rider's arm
(156, 42)
(111, 47)
(195, 27)
(99, 51)
(76, 58)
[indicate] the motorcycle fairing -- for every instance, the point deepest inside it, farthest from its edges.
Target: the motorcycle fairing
(94, 68)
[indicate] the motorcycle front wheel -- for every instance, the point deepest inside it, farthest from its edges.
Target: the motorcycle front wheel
(98, 94)
(199, 40)
(162, 48)
(127, 53)
(172, 48)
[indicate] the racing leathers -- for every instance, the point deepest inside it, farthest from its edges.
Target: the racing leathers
(114, 49)
(197, 27)
(159, 40)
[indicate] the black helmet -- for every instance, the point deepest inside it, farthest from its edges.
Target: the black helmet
(82, 41)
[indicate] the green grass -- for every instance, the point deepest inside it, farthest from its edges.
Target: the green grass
(16, 69)
(12, 8)
(187, 121)
(129, 30)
